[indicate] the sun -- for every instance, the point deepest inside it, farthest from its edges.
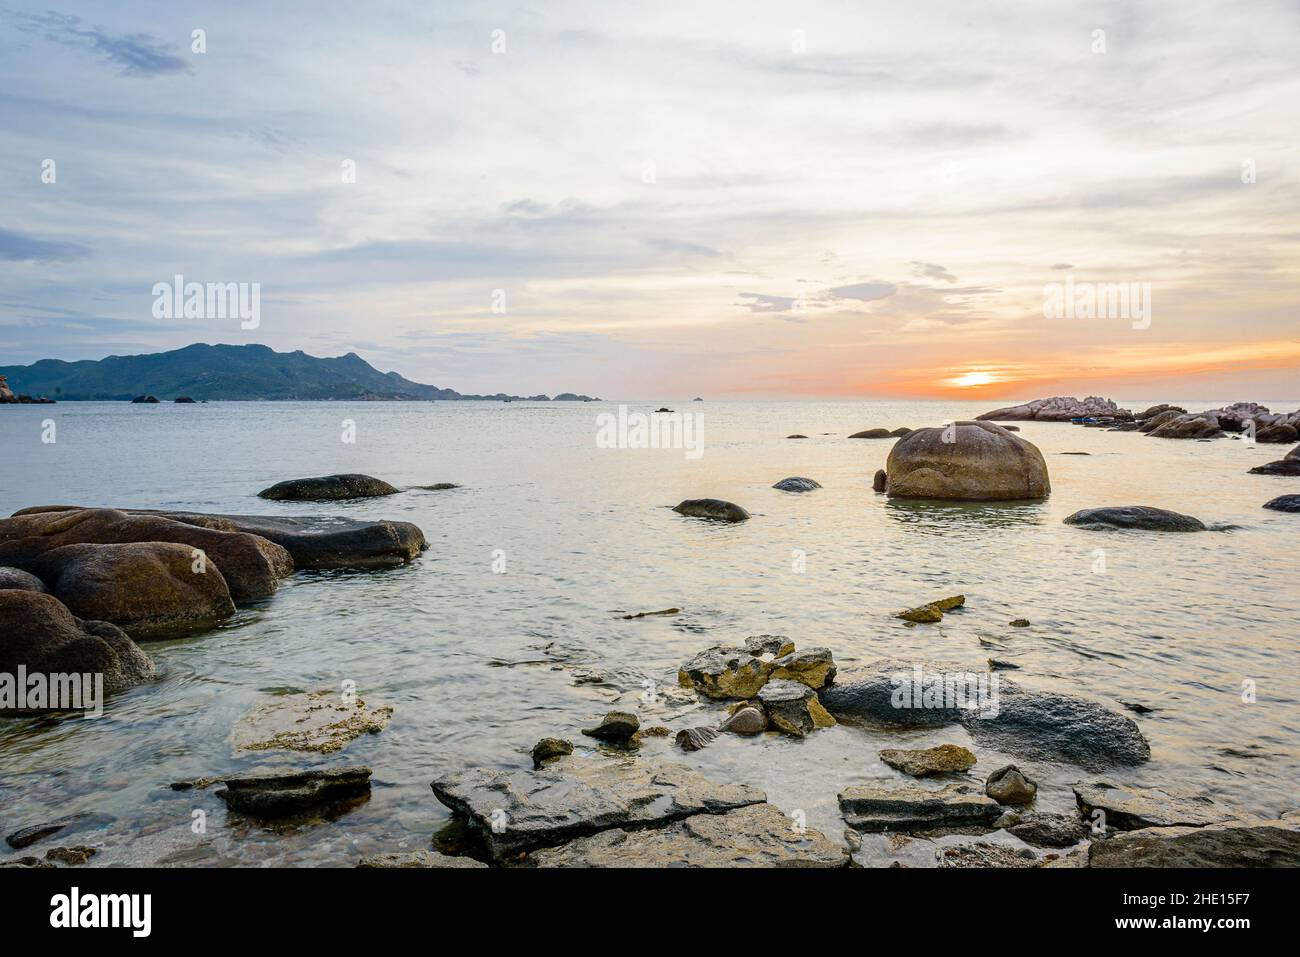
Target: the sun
(972, 379)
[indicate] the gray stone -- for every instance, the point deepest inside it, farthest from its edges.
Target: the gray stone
(873, 434)
(711, 508)
(318, 721)
(796, 484)
(880, 481)
(720, 672)
(746, 721)
(793, 708)
(1009, 785)
(908, 810)
(616, 726)
(574, 797)
(922, 762)
(1050, 830)
(967, 461)
(1142, 517)
(421, 858)
(1250, 842)
(695, 739)
(283, 793)
(1280, 467)
(19, 580)
(548, 748)
(1127, 809)
(755, 836)
(327, 488)
(1284, 503)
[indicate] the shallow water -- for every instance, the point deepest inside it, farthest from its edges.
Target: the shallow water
(479, 664)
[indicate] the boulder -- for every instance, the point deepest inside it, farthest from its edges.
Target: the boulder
(922, 762)
(151, 590)
(548, 748)
(695, 739)
(757, 835)
(1044, 829)
(1203, 425)
(747, 721)
(711, 508)
(251, 566)
(527, 810)
(796, 484)
(283, 793)
(16, 578)
(873, 434)
(880, 481)
(913, 809)
(1284, 503)
(721, 672)
(968, 461)
(145, 400)
(616, 726)
(1159, 419)
(1279, 434)
(1250, 842)
(39, 634)
(1128, 809)
(316, 721)
(1294, 453)
(1058, 409)
(813, 667)
(420, 858)
(1009, 785)
(327, 488)
(1280, 467)
(793, 708)
(1158, 409)
(1233, 418)
(1141, 517)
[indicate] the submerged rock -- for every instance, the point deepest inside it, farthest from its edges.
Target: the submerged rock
(526, 810)
(796, 436)
(966, 461)
(755, 836)
(1009, 785)
(1142, 517)
(150, 590)
(19, 580)
(1251, 842)
(873, 434)
(793, 707)
(921, 762)
(420, 858)
(318, 721)
(327, 488)
(617, 726)
(75, 823)
(1126, 809)
(933, 611)
(711, 508)
(914, 809)
(283, 793)
(1287, 466)
(695, 739)
(42, 636)
(1284, 503)
(548, 748)
(796, 484)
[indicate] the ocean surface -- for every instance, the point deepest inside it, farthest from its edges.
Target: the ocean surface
(486, 643)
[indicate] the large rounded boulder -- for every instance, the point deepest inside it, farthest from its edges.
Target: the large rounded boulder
(328, 488)
(151, 590)
(39, 634)
(966, 461)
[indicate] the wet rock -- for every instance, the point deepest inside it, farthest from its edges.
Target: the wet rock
(71, 856)
(1280, 467)
(1009, 785)
(251, 565)
(909, 810)
(19, 580)
(796, 436)
(438, 487)
(1050, 830)
(1284, 503)
(1142, 517)
(726, 672)
(526, 810)
(1251, 842)
(813, 667)
(1127, 809)
(25, 862)
(793, 708)
(695, 739)
(151, 590)
(1020, 623)
(872, 434)
(42, 636)
(652, 614)
(284, 793)
(655, 731)
(145, 400)
(880, 482)
(27, 836)
(317, 721)
(1057, 409)
(548, 748)
(796, 484)
(755, 836)
(711, 508)
(967, 461)
(982, 854)
(921, 762)
(327, 488)
(616, 726)
(922, 614)
(777, 645)
(1277, 433)
(746, 721)
(420, 858)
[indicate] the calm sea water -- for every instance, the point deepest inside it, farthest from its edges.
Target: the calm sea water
(479, 664)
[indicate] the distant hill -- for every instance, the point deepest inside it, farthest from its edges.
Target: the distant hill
(202, 371)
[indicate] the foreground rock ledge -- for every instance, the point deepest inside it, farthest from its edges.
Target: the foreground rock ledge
(1249, 842)
(956, 807)
(569, 798)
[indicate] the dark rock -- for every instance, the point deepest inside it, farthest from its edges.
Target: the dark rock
(327, 488)
(1284, 503)
(912, 809)
(966, 461)
(1009, 785)
(1246, 843)
(796, 484)
(283, 793)
(1019, 623)
(880, 482)
(1280, 467)
(27, 836)
(922, 762)
(1050, 830)
(1127, 809)
(711, 508)
(145, 399)
(793, 708)
(872, 434)
(796, 436)
(420, 858)
(1057, 409)
(695, 739)
(901, 431)
(548, 748)
(616, 726)
(1278, 433)
(183, 400)
(17, 579)
(525, 810)
(1153, 422)
(42, 636)
(438, 487)
(71, 856)
(758, 835)
(1142, 517)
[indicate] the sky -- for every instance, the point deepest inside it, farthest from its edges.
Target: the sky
(836, 199)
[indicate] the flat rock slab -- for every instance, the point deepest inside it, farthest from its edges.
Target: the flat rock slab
(916, 809)
(1127, 809)
(571, 798)
(422, 858)
(755, 836)
(280, 794)
(1246, 843)
(317, 721)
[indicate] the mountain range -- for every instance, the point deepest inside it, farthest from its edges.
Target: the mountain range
(248, 372)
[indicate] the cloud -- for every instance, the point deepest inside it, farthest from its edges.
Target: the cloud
(15, 247)
(136, 54)
(931, 271)
(864, 291)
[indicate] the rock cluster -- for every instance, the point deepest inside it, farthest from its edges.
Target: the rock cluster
(1058, 409)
